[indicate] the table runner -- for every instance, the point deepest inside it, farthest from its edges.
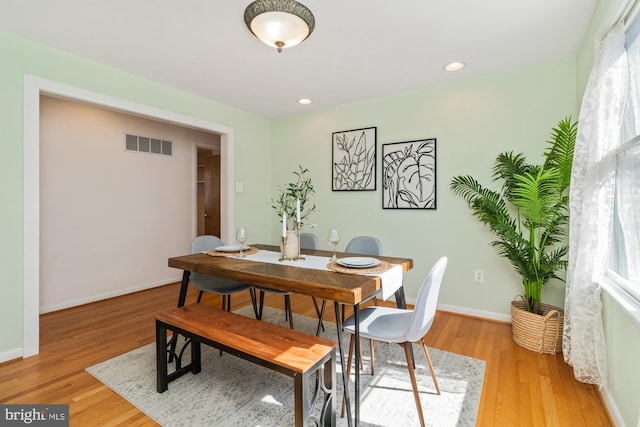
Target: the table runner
(391, 279)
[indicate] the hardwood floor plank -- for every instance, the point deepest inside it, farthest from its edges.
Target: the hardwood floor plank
(521, 387)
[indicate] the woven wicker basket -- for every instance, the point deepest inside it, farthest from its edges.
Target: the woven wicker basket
(541, 333)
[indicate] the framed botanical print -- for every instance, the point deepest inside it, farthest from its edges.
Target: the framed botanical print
(354, 160)
(409, 175)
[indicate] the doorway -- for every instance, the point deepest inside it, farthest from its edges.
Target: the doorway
(33, 87)
(208, 192)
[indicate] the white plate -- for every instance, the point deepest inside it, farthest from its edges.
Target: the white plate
(231, 248)
(358, 262)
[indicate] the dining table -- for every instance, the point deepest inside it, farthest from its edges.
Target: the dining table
(308, 276)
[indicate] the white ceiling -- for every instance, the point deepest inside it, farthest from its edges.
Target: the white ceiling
(360, 48)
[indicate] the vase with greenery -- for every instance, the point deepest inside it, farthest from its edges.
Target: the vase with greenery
(530, 212)
(299, 190)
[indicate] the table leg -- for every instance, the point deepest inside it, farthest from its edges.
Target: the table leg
(401, 302)
(356, 319)
(345, 380)
(183, 287)
(181, 300)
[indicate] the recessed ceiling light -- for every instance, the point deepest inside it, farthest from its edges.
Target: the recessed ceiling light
(454, 66)
(304, 101)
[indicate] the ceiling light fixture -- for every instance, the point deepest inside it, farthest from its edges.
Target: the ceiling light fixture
(279, 23)
(304, 101)
(454, 66)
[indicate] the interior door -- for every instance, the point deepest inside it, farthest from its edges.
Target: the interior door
(208, 193)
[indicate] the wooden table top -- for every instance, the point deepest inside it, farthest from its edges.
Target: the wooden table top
(345, 288)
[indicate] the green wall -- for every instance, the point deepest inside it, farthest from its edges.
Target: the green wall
(473, 120)
(19, 57)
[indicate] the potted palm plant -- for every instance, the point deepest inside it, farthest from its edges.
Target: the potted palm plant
(528, 217)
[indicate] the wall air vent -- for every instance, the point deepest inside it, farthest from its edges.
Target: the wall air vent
(146, 144)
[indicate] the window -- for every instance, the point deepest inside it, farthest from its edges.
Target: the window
(624, 263)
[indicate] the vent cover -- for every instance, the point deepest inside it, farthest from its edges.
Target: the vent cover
(145, 144)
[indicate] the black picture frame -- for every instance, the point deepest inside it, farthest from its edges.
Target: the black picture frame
(409, 174)
(353, 159)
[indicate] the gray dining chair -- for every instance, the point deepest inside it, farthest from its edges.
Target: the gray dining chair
(307, 241)
(402, 326)
(217, 285)
(365, 245)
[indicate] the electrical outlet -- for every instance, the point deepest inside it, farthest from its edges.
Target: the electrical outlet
(478, 276)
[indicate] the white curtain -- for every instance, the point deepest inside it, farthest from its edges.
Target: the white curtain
(591, 208)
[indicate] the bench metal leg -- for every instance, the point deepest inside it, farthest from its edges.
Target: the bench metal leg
(166, 354)
(323, 394)
(162, 381)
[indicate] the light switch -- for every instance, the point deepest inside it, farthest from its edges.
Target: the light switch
(239, 187)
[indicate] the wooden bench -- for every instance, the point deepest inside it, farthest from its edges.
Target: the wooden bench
(290, 352)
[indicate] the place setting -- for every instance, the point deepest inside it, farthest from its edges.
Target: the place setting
(240, 250)
(354, 265)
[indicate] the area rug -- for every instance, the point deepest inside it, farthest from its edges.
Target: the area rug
(233, 392)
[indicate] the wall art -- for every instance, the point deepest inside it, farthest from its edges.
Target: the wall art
(354, 160)
(409, 175)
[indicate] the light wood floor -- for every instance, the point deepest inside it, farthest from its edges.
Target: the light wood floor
(521, 388)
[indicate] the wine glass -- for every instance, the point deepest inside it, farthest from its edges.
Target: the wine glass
(334, 238)
(241, 237)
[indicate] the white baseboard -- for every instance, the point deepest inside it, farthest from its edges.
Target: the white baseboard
(119, 292)
(16, 353)
(475, 313)
(610, 403)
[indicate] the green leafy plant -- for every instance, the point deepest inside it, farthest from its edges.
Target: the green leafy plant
(302, 189)
(530, 213)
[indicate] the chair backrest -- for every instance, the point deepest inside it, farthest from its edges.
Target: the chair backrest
(203, 244)
(309, 241)
(425, 307)
(365, 245)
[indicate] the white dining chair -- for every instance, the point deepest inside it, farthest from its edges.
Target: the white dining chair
(401, 326)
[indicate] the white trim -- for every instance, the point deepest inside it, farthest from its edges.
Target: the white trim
(627, 302)
(489, 315)
(32, 88)
(31, 219)
(10, 355)
(120, 292)
(612, 407)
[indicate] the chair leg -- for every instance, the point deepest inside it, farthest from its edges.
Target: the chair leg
(261, 305)
(200, 296)
(224, 302)
(414, 384)
(349, 360)
(287, 309)
(433, 372)
(320, 316)
(252, 293)
(372, 358)
(315, 304)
